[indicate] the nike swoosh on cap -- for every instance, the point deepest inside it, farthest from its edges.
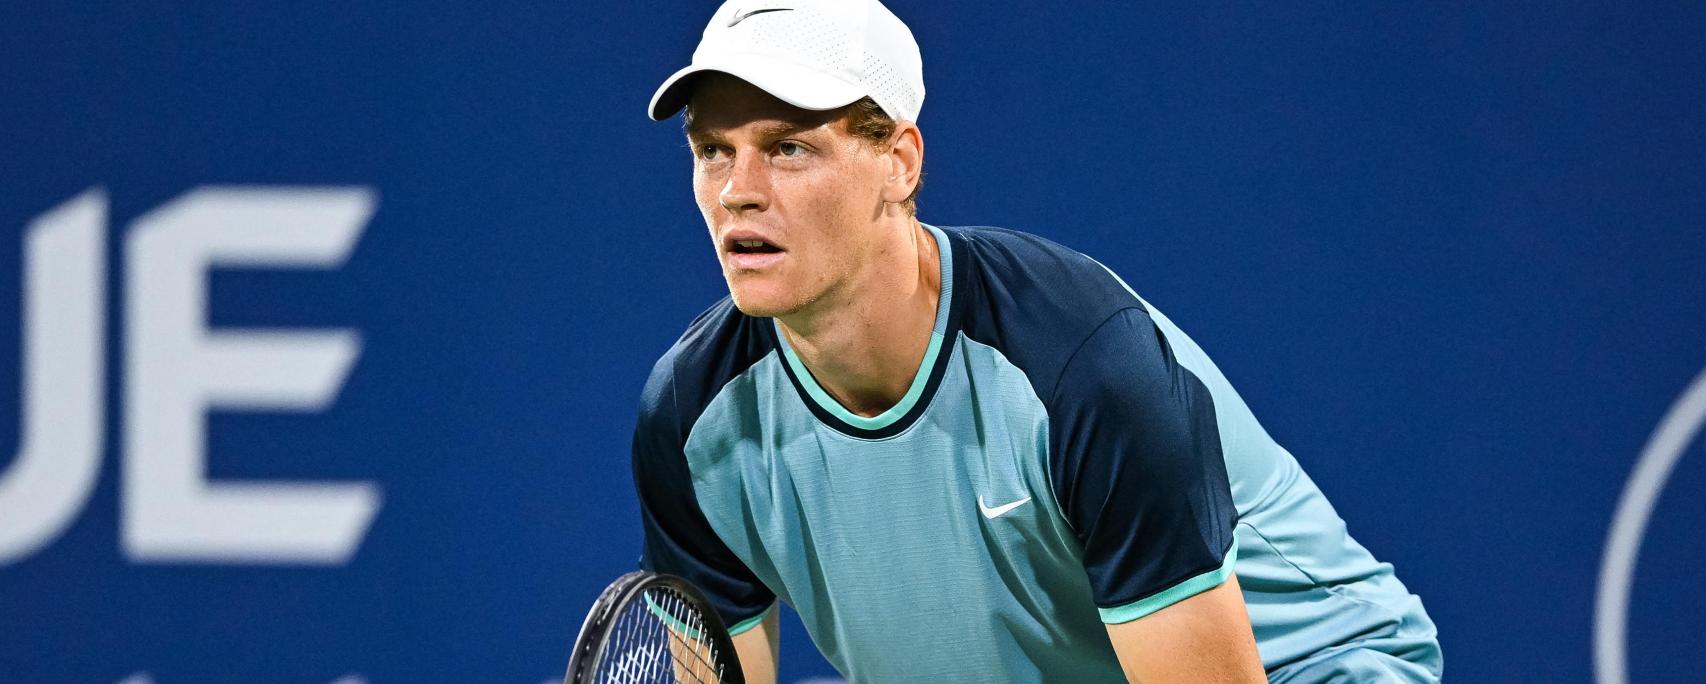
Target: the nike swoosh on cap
(741, 16)
(996, 512)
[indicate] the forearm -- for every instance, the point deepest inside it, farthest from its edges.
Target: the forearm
(758, 649)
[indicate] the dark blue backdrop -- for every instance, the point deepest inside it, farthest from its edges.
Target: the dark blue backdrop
(1451, 255)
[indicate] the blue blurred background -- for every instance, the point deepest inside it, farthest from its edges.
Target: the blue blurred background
(1452, 254)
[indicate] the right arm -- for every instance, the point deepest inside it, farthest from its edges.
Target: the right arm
(679, 539)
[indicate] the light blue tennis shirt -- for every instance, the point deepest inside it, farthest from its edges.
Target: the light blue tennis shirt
(1065, 458)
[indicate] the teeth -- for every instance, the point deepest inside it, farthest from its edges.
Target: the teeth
(750, 243)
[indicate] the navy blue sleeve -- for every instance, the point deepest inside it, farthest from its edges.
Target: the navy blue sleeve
(678, 539)
(1138, 471)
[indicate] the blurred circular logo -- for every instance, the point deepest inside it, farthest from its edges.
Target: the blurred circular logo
(1680, 427)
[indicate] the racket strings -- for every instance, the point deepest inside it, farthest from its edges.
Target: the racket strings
(660, 639)
(688, 637)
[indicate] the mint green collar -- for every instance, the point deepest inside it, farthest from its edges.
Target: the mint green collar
(920, 379)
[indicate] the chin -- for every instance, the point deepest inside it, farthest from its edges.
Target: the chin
(759, 301)
(757, 307)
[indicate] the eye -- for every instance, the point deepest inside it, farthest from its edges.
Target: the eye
(789, 148)
(707, 152)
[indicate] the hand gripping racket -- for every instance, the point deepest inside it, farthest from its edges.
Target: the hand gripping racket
(651, 628)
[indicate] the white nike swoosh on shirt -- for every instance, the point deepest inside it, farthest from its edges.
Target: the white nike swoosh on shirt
(996, 512)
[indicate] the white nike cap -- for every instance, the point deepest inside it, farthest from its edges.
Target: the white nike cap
(812, 54)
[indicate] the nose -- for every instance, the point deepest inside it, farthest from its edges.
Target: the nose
(748, 186)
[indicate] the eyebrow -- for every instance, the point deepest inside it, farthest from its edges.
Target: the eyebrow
(768, 131)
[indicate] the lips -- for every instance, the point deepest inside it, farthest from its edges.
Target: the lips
(748, 250)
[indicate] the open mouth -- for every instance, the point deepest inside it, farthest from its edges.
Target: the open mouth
(755, 247)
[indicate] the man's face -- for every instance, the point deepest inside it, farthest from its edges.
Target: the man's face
(790, 196)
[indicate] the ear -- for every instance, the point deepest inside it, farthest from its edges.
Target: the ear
(906, 162)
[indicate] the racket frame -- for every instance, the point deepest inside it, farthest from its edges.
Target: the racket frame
(590, 645)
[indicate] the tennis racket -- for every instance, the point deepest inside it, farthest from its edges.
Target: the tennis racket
(651, 628)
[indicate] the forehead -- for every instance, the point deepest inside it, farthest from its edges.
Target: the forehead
(721, 102)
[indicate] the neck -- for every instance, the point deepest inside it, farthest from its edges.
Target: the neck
(865, 348)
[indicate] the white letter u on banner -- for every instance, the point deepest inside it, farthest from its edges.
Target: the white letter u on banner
(59, 445)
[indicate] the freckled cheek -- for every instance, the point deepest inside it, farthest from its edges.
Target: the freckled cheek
(811, 198)
(705, 195)
(703, 192)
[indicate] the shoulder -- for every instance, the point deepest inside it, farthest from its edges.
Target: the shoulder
(1134, 456)
(1034, 300)
(1012, 254)
(719, 345)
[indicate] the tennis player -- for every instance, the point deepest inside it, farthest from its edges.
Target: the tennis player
(962, 454)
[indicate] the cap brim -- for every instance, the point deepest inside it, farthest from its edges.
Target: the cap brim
(799, 86)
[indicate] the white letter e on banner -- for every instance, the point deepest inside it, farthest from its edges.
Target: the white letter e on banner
(177, 369)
